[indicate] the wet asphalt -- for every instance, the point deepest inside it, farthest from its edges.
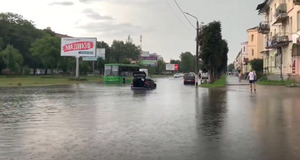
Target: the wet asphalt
(172, 122)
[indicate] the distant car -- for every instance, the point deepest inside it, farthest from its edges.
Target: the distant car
(140, 81)
(178, 75)
(189, 78)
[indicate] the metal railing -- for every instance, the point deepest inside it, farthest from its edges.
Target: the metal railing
(264, 27)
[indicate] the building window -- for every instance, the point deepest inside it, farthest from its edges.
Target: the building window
(252, 52)
(244, 49)
(252, 38)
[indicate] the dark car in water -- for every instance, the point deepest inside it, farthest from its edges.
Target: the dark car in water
(141, 81)
(189, 78)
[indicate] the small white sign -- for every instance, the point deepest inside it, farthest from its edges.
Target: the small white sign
(78, 47)
(101, 53)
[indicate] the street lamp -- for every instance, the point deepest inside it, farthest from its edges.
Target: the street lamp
(197, 48)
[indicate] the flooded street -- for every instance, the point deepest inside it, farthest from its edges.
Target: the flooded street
(172, 122)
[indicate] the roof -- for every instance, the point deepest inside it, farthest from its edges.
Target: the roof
(252, 28)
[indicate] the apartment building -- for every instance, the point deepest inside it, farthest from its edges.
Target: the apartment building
(281, 28)
(241, 61)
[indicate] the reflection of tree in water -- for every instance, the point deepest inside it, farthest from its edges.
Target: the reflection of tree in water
(211, 112)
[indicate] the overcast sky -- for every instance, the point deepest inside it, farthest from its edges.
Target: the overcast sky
(164, 29)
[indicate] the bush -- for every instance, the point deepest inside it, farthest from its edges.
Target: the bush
(26, 70)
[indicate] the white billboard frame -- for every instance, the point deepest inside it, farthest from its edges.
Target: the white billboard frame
(170, 67)
(79, 47)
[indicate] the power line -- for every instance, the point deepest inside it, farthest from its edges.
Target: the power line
(184, 14)
(176, 15)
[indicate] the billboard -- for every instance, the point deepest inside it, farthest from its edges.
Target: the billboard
(78, 47)
(170, 67)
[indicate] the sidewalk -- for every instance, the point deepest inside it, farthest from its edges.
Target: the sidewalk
(234, 80)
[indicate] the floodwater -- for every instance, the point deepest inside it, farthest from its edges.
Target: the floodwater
(172, 122)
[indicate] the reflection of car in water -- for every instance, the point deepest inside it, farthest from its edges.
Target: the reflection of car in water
(189, 78)
(140, 81)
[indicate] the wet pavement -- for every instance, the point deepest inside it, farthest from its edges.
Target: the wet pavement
(174, 121)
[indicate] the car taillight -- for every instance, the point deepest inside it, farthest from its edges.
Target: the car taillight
(146, 83)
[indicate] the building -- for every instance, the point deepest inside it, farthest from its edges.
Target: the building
(281, 29)
(255, 43)
(241, 61)
(149, 59)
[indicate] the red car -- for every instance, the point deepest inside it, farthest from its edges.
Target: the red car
(189, 78)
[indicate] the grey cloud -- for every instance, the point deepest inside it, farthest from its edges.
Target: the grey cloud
(96, 16)
(111, 29)
(62, 3)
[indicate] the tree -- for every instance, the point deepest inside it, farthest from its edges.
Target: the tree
(19, 32)
(12, 59)
(47, 50)
(257, 65)
(187, 62)
(161, 67)
(120, 51)
(213, 51)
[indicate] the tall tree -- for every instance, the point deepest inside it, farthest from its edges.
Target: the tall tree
(12, 59)
(121, 51)
(213, 52)
(47, 50)
(187, 62)
(19, 32)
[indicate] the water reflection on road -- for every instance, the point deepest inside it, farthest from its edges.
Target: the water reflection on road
(174, 121)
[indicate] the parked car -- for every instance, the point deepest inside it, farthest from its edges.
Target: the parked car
(178, 75)
(189, 78)
(141, 81)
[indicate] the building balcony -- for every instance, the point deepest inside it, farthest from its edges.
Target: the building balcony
(264, 27)
(281, 13)
(278, 40)
(296, 2)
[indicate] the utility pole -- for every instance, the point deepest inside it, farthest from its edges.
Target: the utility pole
(197, 54)
(197, 49)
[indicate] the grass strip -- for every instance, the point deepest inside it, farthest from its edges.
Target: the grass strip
(26, 81)
(218, 83)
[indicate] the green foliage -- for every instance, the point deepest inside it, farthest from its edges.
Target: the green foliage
(257, 65)
(213, 51)
(12, 59)
(47, 50)
(187, 62)
(85, 67)
(218, 83)
(26, 70)
(120, 50)
(20, 33)
(161, 67)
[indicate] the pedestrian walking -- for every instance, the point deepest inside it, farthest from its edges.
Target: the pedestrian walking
(252, 78)
(240, 76)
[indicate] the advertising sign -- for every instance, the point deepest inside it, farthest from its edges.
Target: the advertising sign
(176, 67)
(170, 67)
(78, 47)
